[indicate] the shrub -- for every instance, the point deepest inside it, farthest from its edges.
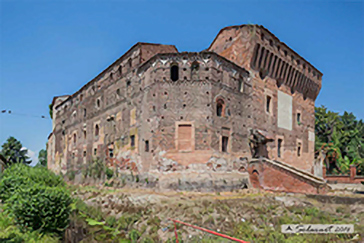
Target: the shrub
(40, 207)
(18, 175)
(36, 198)
(10, 233)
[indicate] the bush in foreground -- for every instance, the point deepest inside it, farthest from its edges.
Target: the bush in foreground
(19, 175)
(36, 198)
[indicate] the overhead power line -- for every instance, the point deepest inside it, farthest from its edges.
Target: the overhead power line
(9, 112)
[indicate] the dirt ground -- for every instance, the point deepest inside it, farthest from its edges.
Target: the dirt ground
(249, 214)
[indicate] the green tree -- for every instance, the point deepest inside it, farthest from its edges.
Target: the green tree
(13, 152)
(50, 106)
(341, 137)
(42, 157)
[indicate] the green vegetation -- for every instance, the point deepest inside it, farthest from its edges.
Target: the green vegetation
(42, 157)
(341, 137)
(13, 152)
(50, 107)
(36, 200)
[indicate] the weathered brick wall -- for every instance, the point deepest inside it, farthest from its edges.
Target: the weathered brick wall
(269, 177)
(134, 99)
(239, 44)
(146, 104)
(106, 101)
(192, 100)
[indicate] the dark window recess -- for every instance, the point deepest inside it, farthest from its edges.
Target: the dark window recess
(298, 118)
(174, 72)
(224, 144)
(118, 92)
(84, 134)
(146, 146)
(269, 99)
(98, 103)
(95, 151)
(111, 152)
(84, 113)
(128, 84)
(299, 150)
(74, 138)
(279, 147)
(84, 153)
(97, 130)
(195, 66)
(132, 141)
(220, 108)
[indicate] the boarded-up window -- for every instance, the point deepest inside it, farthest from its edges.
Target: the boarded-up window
(284, 111)
(185, 137)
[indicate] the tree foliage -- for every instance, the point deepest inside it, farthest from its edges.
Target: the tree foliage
(341, 137)
(13, 152)
(50, 106)
(42, 157)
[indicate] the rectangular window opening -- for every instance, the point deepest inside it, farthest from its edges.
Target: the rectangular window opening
(132, 141)
(279, 147)
(111, 152)
(299, 150)
(225, 141)
(268, 104)
(146, 146)
(298, 118)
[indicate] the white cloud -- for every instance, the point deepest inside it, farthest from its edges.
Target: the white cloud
(33, 155)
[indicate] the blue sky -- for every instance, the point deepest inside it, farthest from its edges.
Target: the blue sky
(50, 48)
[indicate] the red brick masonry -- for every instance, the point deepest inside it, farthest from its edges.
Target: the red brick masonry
(351, 178)
(277, 176)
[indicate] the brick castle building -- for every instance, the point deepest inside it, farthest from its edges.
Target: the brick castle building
(156, 109)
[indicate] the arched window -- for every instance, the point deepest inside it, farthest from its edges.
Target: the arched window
(195, 67)
(98, 103)
(174, 72)
(74, 138)
(97, 130)
(220, 107)
(84, 134)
